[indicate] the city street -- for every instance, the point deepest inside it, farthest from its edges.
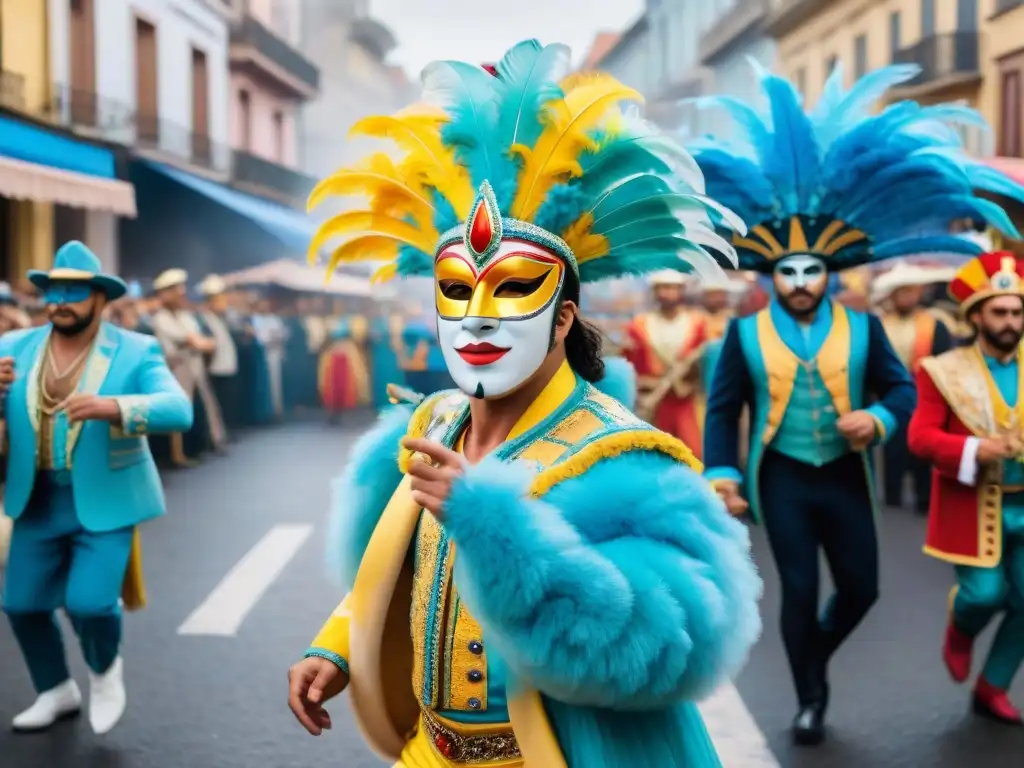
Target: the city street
(237, 589)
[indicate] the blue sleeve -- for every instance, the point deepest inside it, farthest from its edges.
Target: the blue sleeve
(363, 490)
(888, 379)
(628, 587)
(731, 389)
(160, 405)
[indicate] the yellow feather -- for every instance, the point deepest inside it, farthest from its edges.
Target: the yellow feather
(370, 223)
(366, 248)
(385, 273)
(420, 136)
(584, 243)
(589, 99)
(376, 178)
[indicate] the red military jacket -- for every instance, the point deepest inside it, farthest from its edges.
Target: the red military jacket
(954, 402)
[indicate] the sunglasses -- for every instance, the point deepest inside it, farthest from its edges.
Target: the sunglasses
(67, 293)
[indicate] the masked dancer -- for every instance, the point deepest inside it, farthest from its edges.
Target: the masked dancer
(562, 584)
(821, 192)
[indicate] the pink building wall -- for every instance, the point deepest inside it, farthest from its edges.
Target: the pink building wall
(262, 127)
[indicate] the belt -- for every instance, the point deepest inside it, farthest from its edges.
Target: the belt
(469, 749)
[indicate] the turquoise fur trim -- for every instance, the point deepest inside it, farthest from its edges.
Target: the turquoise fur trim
(627, 587)
(361, 493)
(619, 381)
(332, 657)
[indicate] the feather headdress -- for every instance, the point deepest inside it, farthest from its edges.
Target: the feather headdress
(525, 151)
(843, 184)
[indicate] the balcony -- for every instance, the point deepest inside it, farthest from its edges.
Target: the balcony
(265, 55)
(265, 177)
(89, 114)
(373, 36)
(748, 15)
(169, 142)
(669, 107)
(946, 61)
(787, 15)
(1005, 6)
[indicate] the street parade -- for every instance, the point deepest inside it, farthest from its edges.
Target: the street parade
(537, 415)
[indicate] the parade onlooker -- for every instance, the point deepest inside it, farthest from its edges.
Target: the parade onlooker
(223, 365)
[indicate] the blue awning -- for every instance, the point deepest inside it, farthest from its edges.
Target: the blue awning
(294, 229)
(34, 144)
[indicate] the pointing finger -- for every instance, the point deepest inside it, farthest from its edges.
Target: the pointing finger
(437, 452)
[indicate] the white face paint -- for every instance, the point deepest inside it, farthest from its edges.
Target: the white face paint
(494, 323)
(801, 271)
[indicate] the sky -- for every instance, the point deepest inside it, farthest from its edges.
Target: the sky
(480, 31)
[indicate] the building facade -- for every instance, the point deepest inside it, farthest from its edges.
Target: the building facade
(151, 74)
(726, 47)
(49, 178)
(951, 40)
(271, 80)
(351, 48)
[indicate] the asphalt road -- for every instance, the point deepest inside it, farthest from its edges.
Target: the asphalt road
(214, 697)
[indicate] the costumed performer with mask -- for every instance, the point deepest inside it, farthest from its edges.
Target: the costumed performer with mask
(562, 584)
(969, 424)
(822, 192)
(80, 480)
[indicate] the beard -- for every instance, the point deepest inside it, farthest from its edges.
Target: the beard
(804, 311)
(81, 322)
(1006, 340)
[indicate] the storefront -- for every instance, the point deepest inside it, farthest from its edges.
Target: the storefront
(55, 187)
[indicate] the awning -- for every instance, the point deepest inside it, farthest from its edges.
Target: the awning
(40, 165)
(294, 229)
(294, 276)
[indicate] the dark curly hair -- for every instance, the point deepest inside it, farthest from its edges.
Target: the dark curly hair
(583, 343)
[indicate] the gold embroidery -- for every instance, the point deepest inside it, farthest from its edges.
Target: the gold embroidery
(543, 451)
(430, 595)
(578, 425)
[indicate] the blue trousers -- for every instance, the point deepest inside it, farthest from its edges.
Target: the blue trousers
(55, 563)
(984, 592)
(808, 510)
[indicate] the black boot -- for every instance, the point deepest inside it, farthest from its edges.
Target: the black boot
(809, 724)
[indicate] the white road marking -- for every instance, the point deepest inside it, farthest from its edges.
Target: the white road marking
(737, 738)
(225, 608)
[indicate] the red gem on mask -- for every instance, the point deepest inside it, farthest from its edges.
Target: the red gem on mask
(482, 229)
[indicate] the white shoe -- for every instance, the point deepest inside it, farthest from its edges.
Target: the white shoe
(50, 706)
(107, 698)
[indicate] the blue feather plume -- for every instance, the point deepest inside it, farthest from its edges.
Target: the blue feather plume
(900, 176)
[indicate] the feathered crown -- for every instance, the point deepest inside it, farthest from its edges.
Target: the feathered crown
(845, 185)
(524, 151)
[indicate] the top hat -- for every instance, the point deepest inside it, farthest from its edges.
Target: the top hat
(74, 262)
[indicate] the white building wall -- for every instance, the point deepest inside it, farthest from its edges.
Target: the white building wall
(180, 26)
(734, 76)
(101, 236)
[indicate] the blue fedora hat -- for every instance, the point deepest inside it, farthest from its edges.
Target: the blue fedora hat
(74, 262)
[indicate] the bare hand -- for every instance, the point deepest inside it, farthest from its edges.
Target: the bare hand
(992, 450)
(311, 683)
(6, 372)
(729, 492)
(83, 407)
(858, 427)
(432, 478)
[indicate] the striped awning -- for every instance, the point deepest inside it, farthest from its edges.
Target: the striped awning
(21, 180)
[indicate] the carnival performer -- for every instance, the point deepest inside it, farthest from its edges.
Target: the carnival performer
(80, 480)
(968, 425)
(822, 192)
(574, 584)
(915, 333)
(666, 348)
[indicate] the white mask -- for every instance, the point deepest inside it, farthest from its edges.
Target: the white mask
(801, 271)
(495, 322)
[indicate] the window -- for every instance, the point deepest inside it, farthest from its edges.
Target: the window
(927, 18)
(244, 121)
(860, 56)
(81, 96)
(895, 34)
(1010, 138)
(200, 108)
(147, 122)
(967, 15)
(800, 80)
(279, 137)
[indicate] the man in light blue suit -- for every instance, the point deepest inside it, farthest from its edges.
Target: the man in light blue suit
(81, 396)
